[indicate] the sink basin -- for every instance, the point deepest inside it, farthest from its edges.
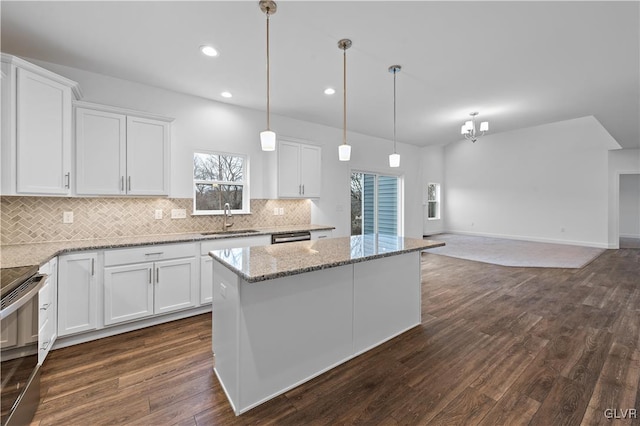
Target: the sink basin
(235, 231)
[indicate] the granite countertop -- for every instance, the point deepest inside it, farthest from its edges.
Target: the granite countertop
(254, 264)
(14, 255)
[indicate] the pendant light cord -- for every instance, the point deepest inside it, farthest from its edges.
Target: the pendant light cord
(268, 80)
(394, 111)
(344, 71)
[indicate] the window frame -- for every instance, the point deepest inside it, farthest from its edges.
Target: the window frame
(436, 201)
(246, 208)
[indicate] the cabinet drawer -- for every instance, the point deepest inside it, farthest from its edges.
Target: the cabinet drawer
(148, 253)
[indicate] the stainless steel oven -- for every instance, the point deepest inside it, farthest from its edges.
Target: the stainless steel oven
(19, 369)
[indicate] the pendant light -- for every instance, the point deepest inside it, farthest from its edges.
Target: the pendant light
(268, 137)
(344, 150)
(394, 159)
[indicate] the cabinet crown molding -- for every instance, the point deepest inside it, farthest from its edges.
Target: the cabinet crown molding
(119, 110)
(19, 62)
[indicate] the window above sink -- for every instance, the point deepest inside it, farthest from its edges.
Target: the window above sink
(220, 178)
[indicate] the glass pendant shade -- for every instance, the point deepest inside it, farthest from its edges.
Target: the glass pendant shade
(484, 126)
(268, 140)
(394, 160)
(344, 152)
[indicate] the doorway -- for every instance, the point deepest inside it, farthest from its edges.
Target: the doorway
(629, 211)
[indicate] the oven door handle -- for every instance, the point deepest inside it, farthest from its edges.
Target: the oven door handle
(27, 290)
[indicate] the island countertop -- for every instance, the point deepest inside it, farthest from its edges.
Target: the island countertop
(254, 264)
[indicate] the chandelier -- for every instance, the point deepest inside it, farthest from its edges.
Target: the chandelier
(468, 129)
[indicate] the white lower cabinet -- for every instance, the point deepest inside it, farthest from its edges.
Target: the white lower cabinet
(318, 235)
(77, 293)
(165, 283)
(47, 312)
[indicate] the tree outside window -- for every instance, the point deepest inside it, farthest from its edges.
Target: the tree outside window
(218, 179)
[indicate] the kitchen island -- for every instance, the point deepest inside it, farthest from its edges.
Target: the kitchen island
(283, 314)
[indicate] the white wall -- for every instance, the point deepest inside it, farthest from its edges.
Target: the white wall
(630, 206)
(621, 162)
(544, 183)
(432, 164)
(201, 124)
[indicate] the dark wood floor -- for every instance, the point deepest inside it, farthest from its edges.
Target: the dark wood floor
(497, 346)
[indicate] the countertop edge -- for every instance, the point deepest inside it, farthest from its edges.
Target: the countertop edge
(255, 279)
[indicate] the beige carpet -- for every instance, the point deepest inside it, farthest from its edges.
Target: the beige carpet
(514, 252)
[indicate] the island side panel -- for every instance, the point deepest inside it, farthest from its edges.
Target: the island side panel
(292, 329)
(387, 299)
(226, 312)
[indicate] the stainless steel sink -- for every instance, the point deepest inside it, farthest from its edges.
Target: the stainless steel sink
(235, 231)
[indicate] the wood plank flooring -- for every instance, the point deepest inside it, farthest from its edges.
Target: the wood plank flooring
(497, 346)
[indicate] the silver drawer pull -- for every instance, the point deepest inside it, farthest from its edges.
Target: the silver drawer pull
(158, 253)
(45, 345)
(45, 306)
(150, 275)
(157, 275)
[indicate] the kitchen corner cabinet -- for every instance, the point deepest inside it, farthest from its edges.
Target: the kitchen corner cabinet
(121, 152)
(299, 170)
(142, 282)
(77, 293)
(36, 129)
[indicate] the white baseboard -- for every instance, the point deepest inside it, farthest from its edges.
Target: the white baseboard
(630, 236)
(532, 239)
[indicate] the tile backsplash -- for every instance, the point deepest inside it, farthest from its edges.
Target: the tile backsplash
(39, 219)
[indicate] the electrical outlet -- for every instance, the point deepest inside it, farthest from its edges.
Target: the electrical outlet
(158, 214)
(275, 211)
(178, 214)
(67, 217)
(281, 211)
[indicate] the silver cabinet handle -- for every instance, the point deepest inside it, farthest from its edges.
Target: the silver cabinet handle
(155, 253)
(67, 178)
(45, 306)
(122, 183)
(150, 272)
(157, 275)
(45, 345)
(302, 189)
(299, 189)
(93, 266)
(129, 184)
(322, 236)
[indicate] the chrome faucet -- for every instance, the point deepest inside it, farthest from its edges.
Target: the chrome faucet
(227, 215)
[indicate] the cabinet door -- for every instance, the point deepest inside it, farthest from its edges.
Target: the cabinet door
(100, 152)
(310, 165)
(43, 132)
(77, 295)
(206, 279)
(176, 286)
(289, 185)
(128, 292)
(147, 157)
(9, 331)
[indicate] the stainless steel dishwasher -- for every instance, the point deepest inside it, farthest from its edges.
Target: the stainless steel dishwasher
(290, 237)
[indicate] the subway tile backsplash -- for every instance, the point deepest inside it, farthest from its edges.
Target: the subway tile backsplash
(40, 219)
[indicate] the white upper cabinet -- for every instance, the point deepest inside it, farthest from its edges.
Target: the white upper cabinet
(101, 139)
(120, 153)
(36, 129)
(299, 170)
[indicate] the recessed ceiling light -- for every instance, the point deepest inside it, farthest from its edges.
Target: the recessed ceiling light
(208, 50)
(329, 91)
(226, 94)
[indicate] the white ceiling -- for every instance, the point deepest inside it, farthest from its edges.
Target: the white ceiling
(518, 63)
